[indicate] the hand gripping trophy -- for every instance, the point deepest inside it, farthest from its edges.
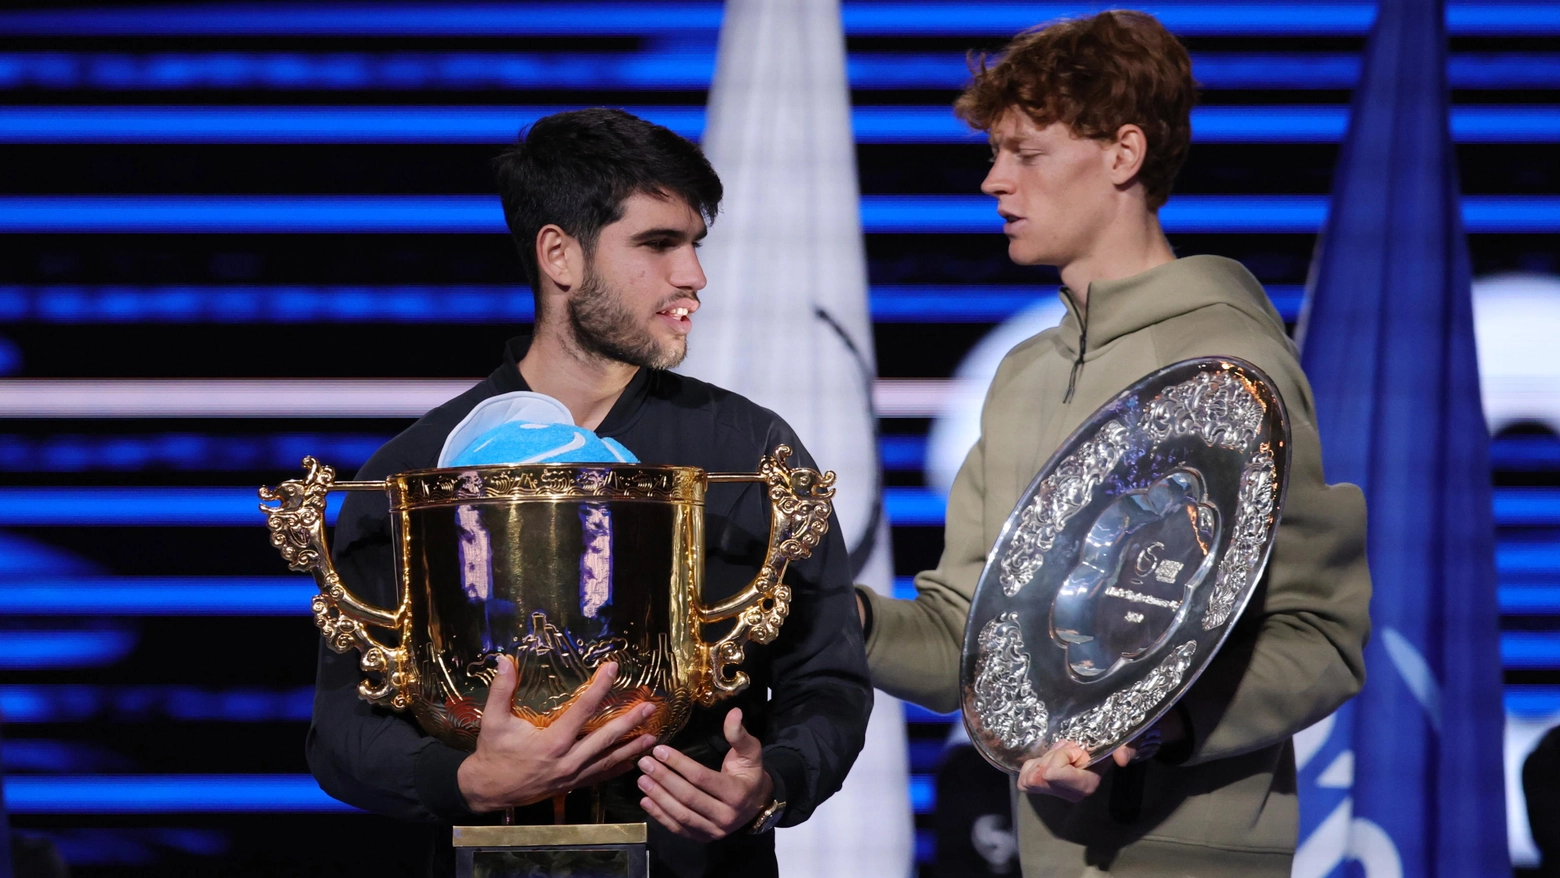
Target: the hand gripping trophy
(563, 568)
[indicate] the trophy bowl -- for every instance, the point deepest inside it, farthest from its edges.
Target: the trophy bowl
(1126, 563)
(561, 566)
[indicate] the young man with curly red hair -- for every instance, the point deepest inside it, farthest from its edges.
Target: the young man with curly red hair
(1089, 122)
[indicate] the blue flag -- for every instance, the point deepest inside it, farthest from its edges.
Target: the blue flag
(1409, 779)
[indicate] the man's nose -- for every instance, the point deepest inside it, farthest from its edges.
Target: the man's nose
(687, 273)
(998, 181)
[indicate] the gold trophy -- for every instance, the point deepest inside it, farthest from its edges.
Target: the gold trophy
(563, 567)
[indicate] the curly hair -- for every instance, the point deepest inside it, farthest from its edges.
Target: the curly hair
(1094, 75)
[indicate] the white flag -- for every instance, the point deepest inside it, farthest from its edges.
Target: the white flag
(785, 323)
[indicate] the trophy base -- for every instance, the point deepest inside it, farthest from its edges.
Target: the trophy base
(603, 850)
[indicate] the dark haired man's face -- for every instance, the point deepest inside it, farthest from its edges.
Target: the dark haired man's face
(1053, 189)
(641, 285)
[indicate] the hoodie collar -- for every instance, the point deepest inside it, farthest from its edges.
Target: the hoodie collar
(1119, 307)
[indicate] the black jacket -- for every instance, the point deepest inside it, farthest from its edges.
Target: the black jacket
(812, 723)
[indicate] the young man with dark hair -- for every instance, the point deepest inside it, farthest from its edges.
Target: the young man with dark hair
(607, 210)
(1089, 122)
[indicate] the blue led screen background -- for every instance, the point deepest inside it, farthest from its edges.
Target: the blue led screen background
(235, 235)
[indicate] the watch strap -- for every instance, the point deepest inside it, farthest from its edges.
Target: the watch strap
(768, 818)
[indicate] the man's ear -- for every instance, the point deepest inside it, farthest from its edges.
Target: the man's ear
(1127, 154)
(559, 257)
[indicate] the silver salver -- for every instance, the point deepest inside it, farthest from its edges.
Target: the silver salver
(1126, 563)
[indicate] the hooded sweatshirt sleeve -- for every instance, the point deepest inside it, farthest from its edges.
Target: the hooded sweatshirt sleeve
(1297, 652)
(914, 646)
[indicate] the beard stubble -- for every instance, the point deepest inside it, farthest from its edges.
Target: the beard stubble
(605, 327)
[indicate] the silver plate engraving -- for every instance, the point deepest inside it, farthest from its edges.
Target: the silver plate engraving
(1008, 706)
(1217, 407)
(1061, 495)
(1113, 721)
(1248, 545)
(1125, 563)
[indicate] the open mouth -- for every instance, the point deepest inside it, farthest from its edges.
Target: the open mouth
(677, 318)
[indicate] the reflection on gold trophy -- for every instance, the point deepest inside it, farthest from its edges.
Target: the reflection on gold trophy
(562, 566)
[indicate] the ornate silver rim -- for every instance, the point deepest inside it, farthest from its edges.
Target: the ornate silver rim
(1224, 405)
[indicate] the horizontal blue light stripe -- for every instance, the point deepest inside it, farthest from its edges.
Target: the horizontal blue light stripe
(1326, 70)
(458, 304)
(157, 596)
(39, 650)
(140, 847)
(1515, 599)
(1530, 650)
(161, 794)
(64, 703)
(131, 507)
(451, 214)
(1305, 18)
(494, 125)
(1530, 598)
(1297, 214)
(923, 793)
(984, 304)
(914, 507)
(238, 507)
(1208, 214)
(1527, 507)
(661, 71)
(1525, 452)
(1532, 701)
(292, 19)
(1186, 19)
(899, 453)
(296, 124)
(290, 596)
(36, 755)
(183, 452)
(904, 453)
(358, 71)
(480, 214)
(1527, 560)
(267, 304)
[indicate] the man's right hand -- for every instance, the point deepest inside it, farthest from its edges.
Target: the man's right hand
(516, 763)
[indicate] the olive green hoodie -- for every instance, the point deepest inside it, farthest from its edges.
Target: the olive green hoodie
(1228, 806)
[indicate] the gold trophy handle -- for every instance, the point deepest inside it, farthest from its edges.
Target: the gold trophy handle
(298, 531)
(798, 519)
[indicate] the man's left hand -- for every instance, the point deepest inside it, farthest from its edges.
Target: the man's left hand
(699, 803)
(1064, 770)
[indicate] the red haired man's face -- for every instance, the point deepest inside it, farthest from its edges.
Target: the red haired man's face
(1053, 189)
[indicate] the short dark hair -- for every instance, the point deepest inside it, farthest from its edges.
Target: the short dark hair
(1095, 75)
(575, 169)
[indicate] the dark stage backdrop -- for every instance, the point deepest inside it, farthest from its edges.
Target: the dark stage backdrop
(225, 226)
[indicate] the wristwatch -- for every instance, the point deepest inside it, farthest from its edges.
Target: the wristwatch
(768, 818)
